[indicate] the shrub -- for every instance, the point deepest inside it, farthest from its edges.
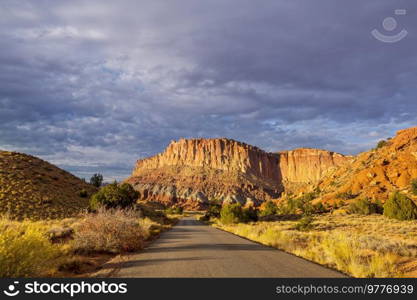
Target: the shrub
(414, 186)
(269, 209)
(249, 214)
(298, 205)
(110, 230)
(83, 193)
(381, 144)
(319, 208)
(96, 180)
(305, 223)
(365, 207)
(400, 207)
(345, 196)
(174, 210)
(231, 213)
(113, 195)
(24, 249)
(214, 209)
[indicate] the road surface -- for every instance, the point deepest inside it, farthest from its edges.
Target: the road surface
(192, 249)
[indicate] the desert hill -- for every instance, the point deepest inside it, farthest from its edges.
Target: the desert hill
(191, 172)
(33, 188)
(375, 173)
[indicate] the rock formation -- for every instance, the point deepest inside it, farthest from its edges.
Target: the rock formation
(376, 173)
(190, 172)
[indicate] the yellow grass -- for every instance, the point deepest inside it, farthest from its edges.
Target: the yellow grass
(59, 247)
(25, 249)
(361, 246)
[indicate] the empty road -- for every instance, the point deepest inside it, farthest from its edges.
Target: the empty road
(192, 249)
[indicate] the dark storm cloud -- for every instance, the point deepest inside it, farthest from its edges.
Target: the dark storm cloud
(94, 85)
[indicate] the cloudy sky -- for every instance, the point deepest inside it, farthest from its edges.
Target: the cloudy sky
(94, 85)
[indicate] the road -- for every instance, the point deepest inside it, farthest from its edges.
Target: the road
(192, 249)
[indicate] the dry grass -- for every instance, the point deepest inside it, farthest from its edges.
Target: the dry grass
(362, 246)
(112, 230)
(73, 246)
(25, 249)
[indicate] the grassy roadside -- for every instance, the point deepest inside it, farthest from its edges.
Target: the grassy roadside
(361, 246)
(76, 246)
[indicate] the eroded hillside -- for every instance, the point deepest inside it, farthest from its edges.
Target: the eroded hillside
(376, 173)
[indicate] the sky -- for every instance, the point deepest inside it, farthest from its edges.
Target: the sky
(92, 86)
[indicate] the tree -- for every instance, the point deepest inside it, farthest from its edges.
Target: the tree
(96, 180)
(400, 207)
(214, 209)
(113, 195)
(365, 207)
(381, 144)
(269, 209)
(231, 213)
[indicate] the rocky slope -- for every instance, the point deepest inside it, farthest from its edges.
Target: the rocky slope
(376, 173)
(190, 172)
(33, 188)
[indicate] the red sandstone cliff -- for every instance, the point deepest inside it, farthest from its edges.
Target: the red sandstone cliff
(190, 172)
(307, 165)
(220, 154)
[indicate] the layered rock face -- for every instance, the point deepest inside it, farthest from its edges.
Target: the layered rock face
(308, 165)
(190, 172)
(220, 154)
(376, 173)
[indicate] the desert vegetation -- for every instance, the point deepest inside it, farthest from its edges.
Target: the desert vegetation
(361, 246)
(114, 196)
(70, 246)
(400, 207)
(96, 180)
(363, 238)
(31, 188)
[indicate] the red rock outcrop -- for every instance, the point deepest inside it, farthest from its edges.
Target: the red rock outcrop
(190, 172)
(307, 165)
(220, 154)
(376, 173)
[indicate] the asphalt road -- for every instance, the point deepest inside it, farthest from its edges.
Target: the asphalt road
(192, 249)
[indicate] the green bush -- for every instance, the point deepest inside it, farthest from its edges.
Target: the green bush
(414, 186)
(214, 209)
(296, 205)
(365, 207)
(96, 180)
(231, 213)
(269, 209)
(319, 208)
(114, 195)
(400, 207)
(381, 144)
(177, 210)
(305, 223)
(83, 193)
(345, 196)
(249, 214)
